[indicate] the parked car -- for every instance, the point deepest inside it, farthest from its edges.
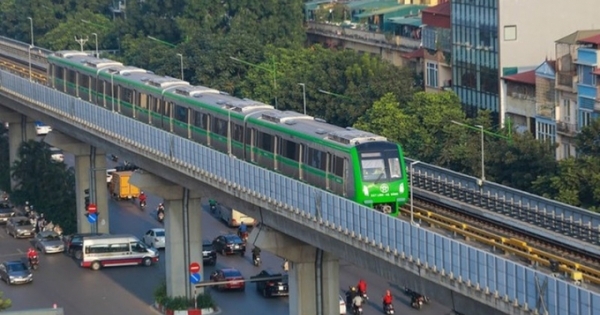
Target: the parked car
(20, 227)
(229, 244)
(155, 238)
(74, 244)
(15, 272)
(6, 212)
(278, 286)
(232, 277)
(48, 242)
(209, 255)
(342, 306)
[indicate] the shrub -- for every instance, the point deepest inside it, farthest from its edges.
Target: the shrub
(178, 303)
(160, 293)
(205, 300)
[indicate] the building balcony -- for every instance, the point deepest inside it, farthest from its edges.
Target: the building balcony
(388, 41)
(587, 56)
(545, 110)
(566, 128)
(586, 90)
(437, 39)
(521, 104)
(566, 81)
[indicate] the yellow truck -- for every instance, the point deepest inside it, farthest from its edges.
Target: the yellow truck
(120, 188)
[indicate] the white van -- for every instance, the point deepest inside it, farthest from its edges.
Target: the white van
(234, 218)
(116, 250)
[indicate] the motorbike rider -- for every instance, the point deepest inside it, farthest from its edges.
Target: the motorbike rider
(242, 230)
(350, 295)
(41, 223)
(142, 197)
(27, 207)
(255, 253)
(31, 255)
(387, 299)
(213, 204)
(161, 207)
(362, 287)
(357, 302)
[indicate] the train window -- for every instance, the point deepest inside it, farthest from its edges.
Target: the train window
(238, 132)
(166, 108)
(58, 72)
(142, 100)
(220, 127)
(289, 149)
(200, 120)
(71, 76)
(84, 80)
(394, 165)
(265, 141)
(126, 95)
(93, 86)
(316, 158)
(337, 165)
(249, 133)
(181, 113)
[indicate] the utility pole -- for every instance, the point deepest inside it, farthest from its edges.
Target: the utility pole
(82, 41)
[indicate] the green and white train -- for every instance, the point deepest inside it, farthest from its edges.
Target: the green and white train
(352, 163)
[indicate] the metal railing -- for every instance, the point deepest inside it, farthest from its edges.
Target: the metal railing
(492, 275)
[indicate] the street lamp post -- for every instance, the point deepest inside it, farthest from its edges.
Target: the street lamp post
(181, 65)
(96, 38)
(303, 95)
(269, 70)
(481, 128)
(412, 212)
(31, 29)
(29, 54)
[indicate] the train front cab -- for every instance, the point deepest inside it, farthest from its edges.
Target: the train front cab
(380, 180)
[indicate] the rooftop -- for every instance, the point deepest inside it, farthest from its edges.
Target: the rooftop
(573, 38)
(371, 4)
(402, 10)
(444, 9)
(591, 40)
(527, 77)
(419, 53)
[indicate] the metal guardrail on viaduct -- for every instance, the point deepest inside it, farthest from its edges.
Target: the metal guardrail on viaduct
(488, 278)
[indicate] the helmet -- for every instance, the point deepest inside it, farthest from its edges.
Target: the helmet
(41, 215)
(387, 292)
(26, 203)
(141, 192)
(31, 249)
(352, 289)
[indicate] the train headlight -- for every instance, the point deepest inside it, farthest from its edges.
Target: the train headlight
(365, 190)
(401, 188)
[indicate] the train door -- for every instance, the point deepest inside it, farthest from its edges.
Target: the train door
(300, 161)
(276, 141)
(328, 170)
(345, 178)
(208, 128)
(252, 136)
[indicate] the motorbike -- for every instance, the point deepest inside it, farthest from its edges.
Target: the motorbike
(256, 260)
(160, 215)
(358, 310)
(388, 309)
(244, 236)
(142, 204)
(114, 158)
(416, 303)
(34, 262)
(363, 295)
(213, 206)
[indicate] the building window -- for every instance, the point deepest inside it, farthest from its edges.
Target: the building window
(546, 132)
(585, 118)
(432, 74)
(566, 150)
(585, 75)
(510, 32)
(567, 110)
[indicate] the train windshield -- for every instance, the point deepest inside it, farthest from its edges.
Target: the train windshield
(380, 166)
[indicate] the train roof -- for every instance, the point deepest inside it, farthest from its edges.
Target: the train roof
(319, 128)
(86, 60)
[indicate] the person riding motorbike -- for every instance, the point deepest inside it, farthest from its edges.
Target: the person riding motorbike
(142, 198)
(212, 204)
(161, 207)
(350, 295)
(357, 302)
(32, 256)
(243, 229)
(362, 288)
(27, 207)
(255, 254)
(41, 223)
(387, 299)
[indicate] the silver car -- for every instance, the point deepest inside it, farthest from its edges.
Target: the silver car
(20, 227)
(49, 242)
(15, 272)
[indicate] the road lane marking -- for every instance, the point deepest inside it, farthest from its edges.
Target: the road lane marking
(20, 251)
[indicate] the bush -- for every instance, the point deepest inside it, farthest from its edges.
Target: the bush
(178, 303)
(205, 300)
(160, 293)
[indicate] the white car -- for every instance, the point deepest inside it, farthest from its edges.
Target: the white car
(57, 155)
(41, 129)
(155, 238)
(109, 173)
(342, 306)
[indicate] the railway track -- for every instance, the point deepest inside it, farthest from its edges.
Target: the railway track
(14, 57)
(527, 246)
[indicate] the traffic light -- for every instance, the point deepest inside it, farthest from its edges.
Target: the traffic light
(87, 198)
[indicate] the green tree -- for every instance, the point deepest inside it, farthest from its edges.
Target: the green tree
(386, 118)
(588, 140)
(4, 303)
(46, 184)
(63, 36)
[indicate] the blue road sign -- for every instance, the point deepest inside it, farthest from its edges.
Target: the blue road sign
(92, 218)
(195, 278)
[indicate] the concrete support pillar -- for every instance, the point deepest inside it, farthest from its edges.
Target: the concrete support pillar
(20, 129)
(83, 173)
(176, 199)
(313, 274)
